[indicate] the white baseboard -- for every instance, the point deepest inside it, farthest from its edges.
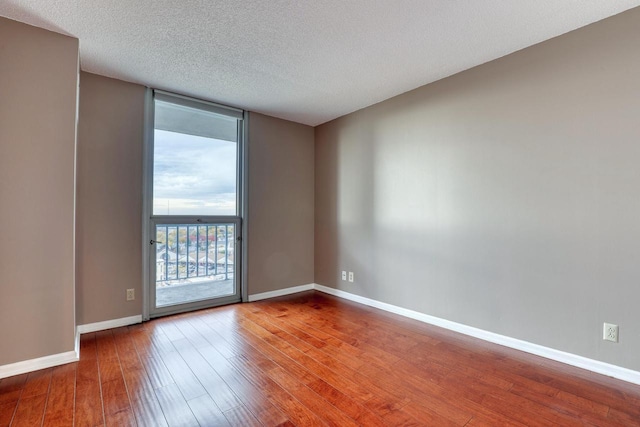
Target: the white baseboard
(281, 292)
(38, 363)
(109, 324)
(539, 350)
(66, 357)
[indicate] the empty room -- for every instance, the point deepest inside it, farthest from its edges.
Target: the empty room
(332, 213)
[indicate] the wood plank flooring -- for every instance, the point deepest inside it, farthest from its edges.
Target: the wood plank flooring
(308, 360)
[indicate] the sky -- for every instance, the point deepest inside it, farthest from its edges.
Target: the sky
(193, 175)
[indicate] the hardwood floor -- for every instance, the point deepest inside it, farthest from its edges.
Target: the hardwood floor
(308, 360)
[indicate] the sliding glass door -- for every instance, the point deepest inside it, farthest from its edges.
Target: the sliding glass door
(195, 223)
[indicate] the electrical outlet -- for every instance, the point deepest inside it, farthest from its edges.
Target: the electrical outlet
(131, 294)
(610, 332)
(344, 275)
(351, 276)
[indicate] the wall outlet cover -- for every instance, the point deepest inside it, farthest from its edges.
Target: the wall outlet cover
(610, 332)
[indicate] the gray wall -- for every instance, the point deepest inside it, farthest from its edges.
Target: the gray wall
(38, 87)
(109, 199)
(506, 197)
(280, 251)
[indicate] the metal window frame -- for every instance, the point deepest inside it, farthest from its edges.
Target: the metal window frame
(149, 220)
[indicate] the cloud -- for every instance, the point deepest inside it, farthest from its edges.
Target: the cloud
(193, 175)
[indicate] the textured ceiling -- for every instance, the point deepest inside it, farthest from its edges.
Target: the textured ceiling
(306, 61)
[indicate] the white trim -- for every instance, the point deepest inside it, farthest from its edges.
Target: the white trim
(539, 350)
(109, 324)
(281, 292)
(44, 362)
(38, 363)
(77, 346)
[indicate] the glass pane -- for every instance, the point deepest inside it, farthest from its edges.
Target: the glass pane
(194, 162)
(194, 262)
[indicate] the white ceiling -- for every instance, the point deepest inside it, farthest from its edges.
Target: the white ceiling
(306, 61)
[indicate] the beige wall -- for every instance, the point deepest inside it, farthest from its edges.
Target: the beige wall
(109, 199)
(38, 92)
(280, 241)
(505, 197)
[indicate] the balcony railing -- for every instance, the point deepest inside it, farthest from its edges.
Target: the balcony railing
(190, 253)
